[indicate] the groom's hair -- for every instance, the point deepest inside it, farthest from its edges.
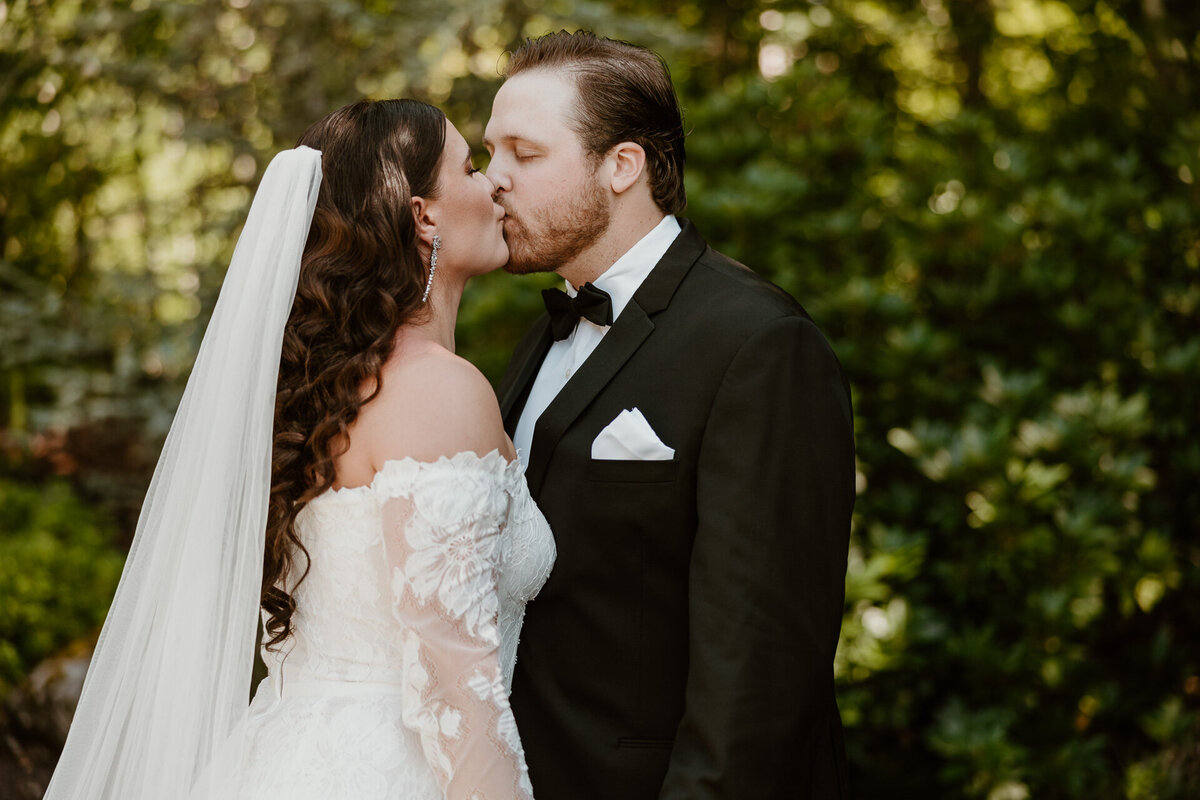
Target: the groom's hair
(625, 95)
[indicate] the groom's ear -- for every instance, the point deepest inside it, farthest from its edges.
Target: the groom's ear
(627, 163)
(424, 216)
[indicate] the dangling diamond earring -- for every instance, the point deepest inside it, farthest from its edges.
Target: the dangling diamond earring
(437, 243)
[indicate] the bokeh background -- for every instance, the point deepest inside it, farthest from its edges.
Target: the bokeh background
(989, 206)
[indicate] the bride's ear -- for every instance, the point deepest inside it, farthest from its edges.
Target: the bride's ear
(424, 216)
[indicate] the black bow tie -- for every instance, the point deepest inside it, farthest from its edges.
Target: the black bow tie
(591, 303)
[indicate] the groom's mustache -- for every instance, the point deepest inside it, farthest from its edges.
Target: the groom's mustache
(508, 212)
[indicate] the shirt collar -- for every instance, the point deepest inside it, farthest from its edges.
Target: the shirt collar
(626, 274)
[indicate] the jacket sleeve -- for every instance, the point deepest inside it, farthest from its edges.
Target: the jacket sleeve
(775, 490)
(445, 567)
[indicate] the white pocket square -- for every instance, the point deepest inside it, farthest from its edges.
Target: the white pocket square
(629, 437)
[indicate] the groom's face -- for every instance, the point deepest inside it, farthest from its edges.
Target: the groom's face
(549, 185)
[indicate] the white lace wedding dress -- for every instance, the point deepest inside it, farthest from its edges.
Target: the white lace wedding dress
(394, 685)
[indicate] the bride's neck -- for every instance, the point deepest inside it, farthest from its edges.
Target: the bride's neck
(438, 325)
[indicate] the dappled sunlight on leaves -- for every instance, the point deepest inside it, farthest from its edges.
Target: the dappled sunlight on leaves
(989, 208)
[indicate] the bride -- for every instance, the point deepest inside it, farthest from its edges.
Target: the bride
(328, 409)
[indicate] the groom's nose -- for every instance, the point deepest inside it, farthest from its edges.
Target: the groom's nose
(501, 181)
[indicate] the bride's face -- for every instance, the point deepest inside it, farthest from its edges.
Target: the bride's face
(470, 225)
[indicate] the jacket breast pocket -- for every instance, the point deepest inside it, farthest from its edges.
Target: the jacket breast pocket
(643, 743)
(621, 471)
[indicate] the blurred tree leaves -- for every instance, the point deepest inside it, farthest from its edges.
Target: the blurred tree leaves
(50, 542)
(990, 208)
(988, 205)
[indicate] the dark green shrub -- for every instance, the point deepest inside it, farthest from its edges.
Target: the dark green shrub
(1012, 287)
(58, 572)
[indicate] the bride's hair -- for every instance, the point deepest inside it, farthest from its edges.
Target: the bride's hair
(361, 277)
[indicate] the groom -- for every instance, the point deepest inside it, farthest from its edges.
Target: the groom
(687, 433)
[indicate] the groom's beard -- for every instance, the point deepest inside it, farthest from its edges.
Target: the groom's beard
(554, 237)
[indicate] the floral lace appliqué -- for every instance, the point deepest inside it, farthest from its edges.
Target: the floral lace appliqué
(405, 636)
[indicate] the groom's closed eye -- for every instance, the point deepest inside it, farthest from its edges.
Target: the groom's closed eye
(518, 144)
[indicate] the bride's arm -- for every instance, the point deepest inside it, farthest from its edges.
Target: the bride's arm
(444, 582)
(443, 545)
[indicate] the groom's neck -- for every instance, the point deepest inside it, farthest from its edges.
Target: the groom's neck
(627, 227)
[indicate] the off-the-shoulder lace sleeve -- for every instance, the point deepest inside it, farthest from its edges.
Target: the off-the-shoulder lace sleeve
(442, 526)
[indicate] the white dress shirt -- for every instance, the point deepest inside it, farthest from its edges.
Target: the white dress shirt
(564, 358)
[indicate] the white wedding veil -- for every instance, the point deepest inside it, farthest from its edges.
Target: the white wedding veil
(170, 678)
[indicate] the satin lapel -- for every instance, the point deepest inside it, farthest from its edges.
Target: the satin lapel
(621, 341)
(522, 371)
(617, 347)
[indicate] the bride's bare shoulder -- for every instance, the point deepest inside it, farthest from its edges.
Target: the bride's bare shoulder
(432, 403)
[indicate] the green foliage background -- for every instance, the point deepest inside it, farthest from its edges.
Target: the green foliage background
(50, 540)
(989, 206)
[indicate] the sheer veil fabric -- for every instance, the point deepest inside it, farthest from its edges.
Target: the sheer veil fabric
(169, 680)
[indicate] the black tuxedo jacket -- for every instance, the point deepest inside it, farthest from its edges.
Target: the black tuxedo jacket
(683, 646)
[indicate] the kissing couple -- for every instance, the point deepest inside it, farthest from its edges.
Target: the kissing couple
(669, 470)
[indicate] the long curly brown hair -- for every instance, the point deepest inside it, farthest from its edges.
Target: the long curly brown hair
(361, 277)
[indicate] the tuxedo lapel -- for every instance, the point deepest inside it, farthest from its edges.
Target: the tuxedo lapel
(524, 369)
(616, 348)
(613, 351)
(656, 291)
